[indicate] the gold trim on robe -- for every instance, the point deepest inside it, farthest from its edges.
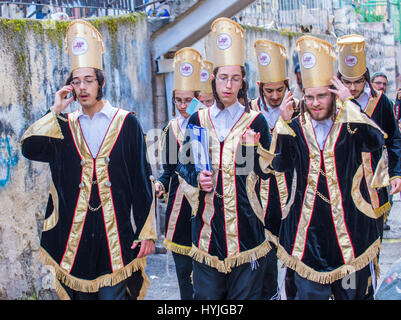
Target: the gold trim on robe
(228, 170)
(82, 202)
(347, 114)
(100, 165)
(46, 126)
(52, 220)
(179, 198)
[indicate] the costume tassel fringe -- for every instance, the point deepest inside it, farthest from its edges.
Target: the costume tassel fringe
(176, 247)
(329, 277)
(225, 266)
(93, 285)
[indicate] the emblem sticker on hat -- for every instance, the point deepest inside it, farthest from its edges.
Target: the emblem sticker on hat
(186, 69)
(79, 46)
(264, 58)
(204, 76)
(308, 60)
(224, 41)
(351, 61)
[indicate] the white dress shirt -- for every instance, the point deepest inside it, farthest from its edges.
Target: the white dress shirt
(183, 122)
(224, 120)
(322, 129)
(271, 115)
(363, 99)
(95, 129)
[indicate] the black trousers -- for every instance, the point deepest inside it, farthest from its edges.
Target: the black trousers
(242, 283)
(270, 286)
(355, 286)
(183, 269)
(116, 292)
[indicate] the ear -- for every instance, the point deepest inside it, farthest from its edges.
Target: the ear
(104, 83)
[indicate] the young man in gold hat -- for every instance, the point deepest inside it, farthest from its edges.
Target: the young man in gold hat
(273, 91)
(228, 237)
(97, 158)
(187, 73)
(355, 76)
(327, 236)
(206, 93)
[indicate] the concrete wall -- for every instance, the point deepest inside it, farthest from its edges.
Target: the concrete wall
(33, 66)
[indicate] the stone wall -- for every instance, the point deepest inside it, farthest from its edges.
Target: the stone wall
(33, 66)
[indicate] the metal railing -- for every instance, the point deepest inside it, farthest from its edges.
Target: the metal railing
(289, 14)
(71, 8)
(379, 11)
(318, 15)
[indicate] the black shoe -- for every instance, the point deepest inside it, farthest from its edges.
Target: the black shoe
(386, 227)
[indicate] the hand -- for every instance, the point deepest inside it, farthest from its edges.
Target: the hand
(206, 181)
(250, 137)
(287, 107)
(61, 101)
(147, 247)
(395, 186)
(158, 189)
(399, 94)
(341, 91)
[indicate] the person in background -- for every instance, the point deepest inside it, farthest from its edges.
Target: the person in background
(206, 93)
(379, 81)
(354, 73)
(273, 91)
(297, 88)
(187, 63)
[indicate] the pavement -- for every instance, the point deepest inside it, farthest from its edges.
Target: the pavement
(161, 269)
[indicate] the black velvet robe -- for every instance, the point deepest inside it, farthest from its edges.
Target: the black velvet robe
(273, 192)
(228, 223)
(380, 109)
(329, 231)
(178, 212)
(91, 248)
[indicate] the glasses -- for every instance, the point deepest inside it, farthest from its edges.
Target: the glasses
(87, 82)
(379, 83)
(225, 79)
(179, 101)
(356, 82)
(320, 97)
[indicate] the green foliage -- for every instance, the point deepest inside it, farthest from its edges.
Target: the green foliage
(369, 16)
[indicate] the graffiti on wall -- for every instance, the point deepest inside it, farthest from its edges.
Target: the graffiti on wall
(8, 155)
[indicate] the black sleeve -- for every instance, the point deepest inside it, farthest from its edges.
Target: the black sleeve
(169, 158)
(186, 167)
(140, 173)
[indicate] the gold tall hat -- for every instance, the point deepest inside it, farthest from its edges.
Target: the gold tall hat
(206, 77)
(84, 45)
(316, 58)
(187, 69)
(228, 39)
(271, 60)
(351, 56)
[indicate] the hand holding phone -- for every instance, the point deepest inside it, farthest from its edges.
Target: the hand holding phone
(63, 98)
